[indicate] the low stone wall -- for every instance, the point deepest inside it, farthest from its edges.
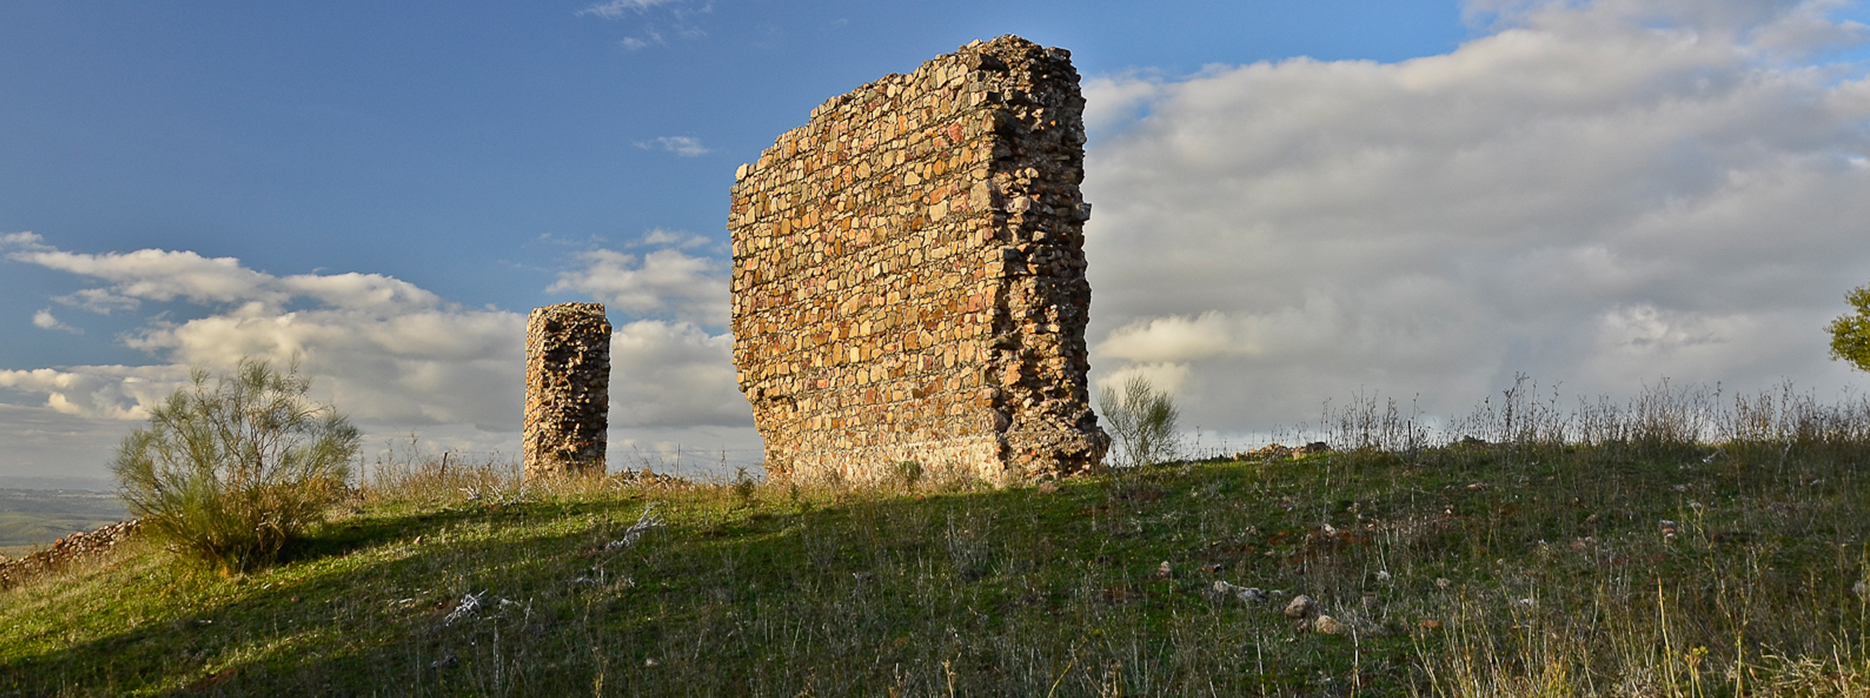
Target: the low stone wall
(64, 552)
(567, 389)
(909, 275)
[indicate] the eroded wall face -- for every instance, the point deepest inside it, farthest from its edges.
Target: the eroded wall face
(909, 275)
(567, 389)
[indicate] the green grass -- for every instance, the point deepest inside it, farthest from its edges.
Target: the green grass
(1536, 568)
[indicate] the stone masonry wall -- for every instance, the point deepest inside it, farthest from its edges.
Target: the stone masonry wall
(909, 275)
(65, 551)
(567, 389)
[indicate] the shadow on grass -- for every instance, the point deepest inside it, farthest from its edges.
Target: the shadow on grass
(346, 536)
(348, 586)
(349, 615)
(1017, 591)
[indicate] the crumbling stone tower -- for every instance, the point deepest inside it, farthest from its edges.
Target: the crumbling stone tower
(567, 389)
(909, 275)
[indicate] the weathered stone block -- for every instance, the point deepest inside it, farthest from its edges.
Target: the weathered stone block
(909, 275)
(567, 389)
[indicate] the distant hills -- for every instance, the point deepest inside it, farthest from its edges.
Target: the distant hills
(30, 517)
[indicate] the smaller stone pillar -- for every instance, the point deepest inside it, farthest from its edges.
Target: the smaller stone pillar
(567, 389)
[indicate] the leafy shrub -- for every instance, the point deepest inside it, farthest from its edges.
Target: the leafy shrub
(230, 472)
(1850, 334)
(1143, 421)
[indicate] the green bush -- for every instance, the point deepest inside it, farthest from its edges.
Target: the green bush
(232, 471)
(1850, 334)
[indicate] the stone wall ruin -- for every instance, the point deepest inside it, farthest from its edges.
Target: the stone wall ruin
(908, 278)
(567, 389)
(66, 551)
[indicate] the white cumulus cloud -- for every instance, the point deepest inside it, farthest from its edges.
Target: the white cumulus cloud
(394, 357)
(638, 43)
(665, 283)
(159, 275)
(1597, 193)
(682, 146)
(45, 320)
(679, 14)
(674, 374)
(619, 8)
(101, 392)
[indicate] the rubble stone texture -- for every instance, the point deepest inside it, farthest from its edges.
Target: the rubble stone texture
(65, 551)
(567, 389)
(909, 275)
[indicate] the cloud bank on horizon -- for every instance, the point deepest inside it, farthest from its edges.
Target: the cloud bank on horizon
(392, 356)
(1603, 194)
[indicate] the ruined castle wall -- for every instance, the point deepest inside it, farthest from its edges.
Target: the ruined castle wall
(909, 275)
(567, 389)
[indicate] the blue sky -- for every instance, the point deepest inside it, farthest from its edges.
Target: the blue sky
(466, 147)
(1294, 200)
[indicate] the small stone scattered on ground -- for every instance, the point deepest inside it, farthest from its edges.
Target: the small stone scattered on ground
(1302, 606)
(1328, 625)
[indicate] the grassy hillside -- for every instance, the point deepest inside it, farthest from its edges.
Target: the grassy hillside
(1641, 565)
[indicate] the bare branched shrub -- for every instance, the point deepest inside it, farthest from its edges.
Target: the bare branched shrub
(229, 472)
(1364, 424)
(1143, 420)
(1519, 417)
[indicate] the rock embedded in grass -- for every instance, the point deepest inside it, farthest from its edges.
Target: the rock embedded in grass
(1245, 594)
(1328, 625)
(1302, 606)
